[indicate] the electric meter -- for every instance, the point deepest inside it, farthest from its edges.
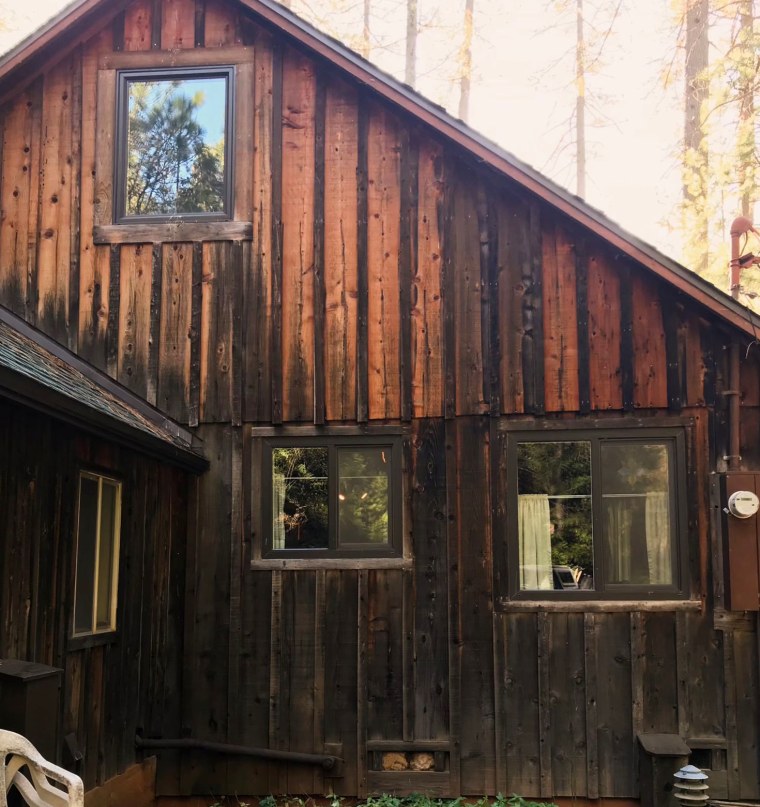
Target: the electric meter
(743, 504)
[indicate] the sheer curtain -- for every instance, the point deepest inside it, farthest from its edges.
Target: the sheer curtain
(535, 541)
(278, 511)
(658, 538)
(619, 538)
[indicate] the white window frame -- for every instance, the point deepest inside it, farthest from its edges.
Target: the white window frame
(101, 479)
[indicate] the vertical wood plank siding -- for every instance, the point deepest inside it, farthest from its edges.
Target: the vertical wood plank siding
(111, 690)
(389, 279)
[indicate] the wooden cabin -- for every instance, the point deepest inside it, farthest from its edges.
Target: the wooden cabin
(465, 525)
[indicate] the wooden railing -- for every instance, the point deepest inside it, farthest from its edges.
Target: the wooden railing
(39, 782)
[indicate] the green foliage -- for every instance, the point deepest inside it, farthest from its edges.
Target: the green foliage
(388, 800)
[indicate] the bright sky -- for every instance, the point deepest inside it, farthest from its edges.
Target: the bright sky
(633, 127)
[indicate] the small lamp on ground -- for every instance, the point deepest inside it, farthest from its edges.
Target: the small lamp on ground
(690, 787)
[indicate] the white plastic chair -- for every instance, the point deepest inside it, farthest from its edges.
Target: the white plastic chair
(34, 784)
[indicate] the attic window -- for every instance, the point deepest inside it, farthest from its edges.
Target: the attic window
(173, 147)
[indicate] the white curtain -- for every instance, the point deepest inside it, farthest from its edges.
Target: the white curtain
(619, 523)
(535, 541)
(278, 511)
(658, 538)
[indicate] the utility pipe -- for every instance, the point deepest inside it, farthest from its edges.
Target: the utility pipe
(327, 761)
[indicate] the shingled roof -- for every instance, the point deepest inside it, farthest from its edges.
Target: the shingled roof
(81, 18)
(38, 372)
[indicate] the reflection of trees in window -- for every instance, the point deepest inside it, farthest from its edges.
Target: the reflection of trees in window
(171, 166)
(302, 473)
(562, 471)
(363, 495)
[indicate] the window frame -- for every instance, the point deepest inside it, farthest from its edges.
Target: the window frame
(673, 436)
(111, 628)
(333, 442)
(123, 77)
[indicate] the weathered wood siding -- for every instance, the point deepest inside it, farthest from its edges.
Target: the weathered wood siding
(389, 278)
(114, 688)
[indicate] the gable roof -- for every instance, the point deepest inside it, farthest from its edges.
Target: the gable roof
(79, 15)
(37, 371)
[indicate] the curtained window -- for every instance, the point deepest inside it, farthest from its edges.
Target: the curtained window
(599, 512)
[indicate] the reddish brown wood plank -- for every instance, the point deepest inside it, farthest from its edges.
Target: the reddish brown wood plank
(649, 370)
(604, 332)
(92, 314)
(216, 334)
(177, 24)
(56, 174)
(16, 162)
(560, 321)
(466, 286)
(341, 156)
(134, 317)
(298, 91)
(174, 342)
(427, 307)
(222, 24)
(257, 397)
(384, 210)
(137, 25)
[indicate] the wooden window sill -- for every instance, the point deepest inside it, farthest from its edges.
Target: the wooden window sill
(166, 231)
(596, 606)
(75, 643)
(295, 564)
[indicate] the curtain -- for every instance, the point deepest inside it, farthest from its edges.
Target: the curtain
(658, 538)
(535, 541)
(619, 524)
(278, 511)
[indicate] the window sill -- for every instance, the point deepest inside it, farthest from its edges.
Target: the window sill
(75, 643)
(160, 232)
(295, 564)
(596, 606)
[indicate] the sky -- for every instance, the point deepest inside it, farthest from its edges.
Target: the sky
(523, 92)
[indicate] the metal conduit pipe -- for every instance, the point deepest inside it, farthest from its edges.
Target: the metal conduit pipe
(326, 761)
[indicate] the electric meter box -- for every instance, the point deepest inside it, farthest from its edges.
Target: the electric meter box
(743, 504)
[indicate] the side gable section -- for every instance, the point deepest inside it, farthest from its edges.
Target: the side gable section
(379, 271)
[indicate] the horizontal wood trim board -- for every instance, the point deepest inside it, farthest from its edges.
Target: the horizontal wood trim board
(598, 606)
(306, 564)
(175, 58)
(167, 232)
(408, 745)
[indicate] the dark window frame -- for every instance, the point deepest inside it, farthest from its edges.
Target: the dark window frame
(334, 442)
(123, 77)
(673, 436)
(95, 634)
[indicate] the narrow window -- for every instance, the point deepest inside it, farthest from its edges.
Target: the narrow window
(173, 147)
(97, 554)
(332, 496)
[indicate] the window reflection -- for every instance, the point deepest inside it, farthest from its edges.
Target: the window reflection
(363, 492)
(299, 498)
(175, 146)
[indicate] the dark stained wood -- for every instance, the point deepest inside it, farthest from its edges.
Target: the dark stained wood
(362, 282)
(532, 316)
(742, 556)
(408, 234)
(112, 329)
(172, 231)
(649, 359)
(319, 252)
(276, 371)
(582, 303)
(216, 333)
(134, 318)
(137, 25)
(627, 358)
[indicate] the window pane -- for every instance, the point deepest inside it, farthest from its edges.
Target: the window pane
(299, 498)
(175, 146)
(554, 515)
(86, 541)
(109, 493)
(363, 495)
(636, 503)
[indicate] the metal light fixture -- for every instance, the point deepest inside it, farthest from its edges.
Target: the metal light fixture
(690, 787)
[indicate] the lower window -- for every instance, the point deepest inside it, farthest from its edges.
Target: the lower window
(597, 512)
(332, 496)
(97, 554)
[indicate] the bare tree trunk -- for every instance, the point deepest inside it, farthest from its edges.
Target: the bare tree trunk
(365, 31)
(747, 81)
(466, 61)
(695, 154)
(580, 103)
(410, 72)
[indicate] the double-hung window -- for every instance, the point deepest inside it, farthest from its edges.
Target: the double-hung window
(97, 554)
(331, 497)
(597, 513)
